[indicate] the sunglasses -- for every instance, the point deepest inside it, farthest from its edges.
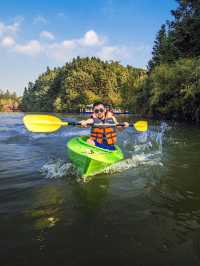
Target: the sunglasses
(101, 110)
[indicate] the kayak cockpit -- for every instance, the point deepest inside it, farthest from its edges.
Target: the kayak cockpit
(89, 159)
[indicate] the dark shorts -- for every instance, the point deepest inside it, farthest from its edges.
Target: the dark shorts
(105, 146)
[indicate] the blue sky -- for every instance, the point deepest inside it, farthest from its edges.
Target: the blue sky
(37, 34)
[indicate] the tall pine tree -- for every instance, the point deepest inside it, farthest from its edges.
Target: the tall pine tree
(159, 48)
(186, 28)
(182, 37)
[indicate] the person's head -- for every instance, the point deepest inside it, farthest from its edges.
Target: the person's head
(99, 109)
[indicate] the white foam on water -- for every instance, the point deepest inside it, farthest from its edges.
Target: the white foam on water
(58, 169)
(133, 162)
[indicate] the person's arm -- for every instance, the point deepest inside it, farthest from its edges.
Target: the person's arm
(114, 119)
(84, 123)
(116, 122)
(120, 127)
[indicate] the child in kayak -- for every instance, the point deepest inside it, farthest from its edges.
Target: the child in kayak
(102, 136)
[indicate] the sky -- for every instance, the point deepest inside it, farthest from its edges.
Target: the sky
(37, 34)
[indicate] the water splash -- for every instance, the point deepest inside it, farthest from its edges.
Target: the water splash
(141, 149)
(56, 168)
(133, 162)
(160, 135)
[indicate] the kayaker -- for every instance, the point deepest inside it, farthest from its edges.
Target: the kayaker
(102, 136)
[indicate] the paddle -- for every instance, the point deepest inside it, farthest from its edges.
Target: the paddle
(50, 123)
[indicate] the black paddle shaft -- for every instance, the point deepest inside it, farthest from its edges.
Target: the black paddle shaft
(98, 125)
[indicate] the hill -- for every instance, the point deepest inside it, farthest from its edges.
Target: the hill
(81, 82)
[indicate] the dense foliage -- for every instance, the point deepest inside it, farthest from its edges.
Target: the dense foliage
(9, 101)
(80, 83)
(172, 88)
(172, 91)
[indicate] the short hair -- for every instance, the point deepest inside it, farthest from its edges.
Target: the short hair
(98, 103)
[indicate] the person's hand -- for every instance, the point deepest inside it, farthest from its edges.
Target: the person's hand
(126, 124)
(122, 127)
(83, 123)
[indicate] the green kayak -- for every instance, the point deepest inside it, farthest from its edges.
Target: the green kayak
(91, 160)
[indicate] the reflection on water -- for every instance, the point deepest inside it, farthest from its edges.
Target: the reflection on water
(141, 211)
(91, 196)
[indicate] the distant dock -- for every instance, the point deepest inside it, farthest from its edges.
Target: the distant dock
(116, 113)
(116, 110)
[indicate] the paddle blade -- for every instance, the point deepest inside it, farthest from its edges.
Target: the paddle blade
(42, 123)
(141, 126)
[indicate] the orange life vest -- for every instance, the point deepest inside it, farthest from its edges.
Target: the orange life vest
(104, 135)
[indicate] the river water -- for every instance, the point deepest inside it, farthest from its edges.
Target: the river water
(144, 210)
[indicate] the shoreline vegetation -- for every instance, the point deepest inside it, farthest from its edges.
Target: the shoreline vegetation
(9, 102)
(169, 88)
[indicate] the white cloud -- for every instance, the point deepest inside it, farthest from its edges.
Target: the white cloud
(91, 38)
(61, 51)
(15, 27)
(39, 20)
(113, 53)
(69, 44)
(135, 54)
(108, 52)
(90, 44)
(2, 28)
(11, 29)
(93, 46)
(47, 35)
(31, 48)
(7, 42)
(70, 48)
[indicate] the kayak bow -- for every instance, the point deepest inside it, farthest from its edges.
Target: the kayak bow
(89, 159)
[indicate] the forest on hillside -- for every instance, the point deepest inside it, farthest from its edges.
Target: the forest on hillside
(169, 89)
(81, 82)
